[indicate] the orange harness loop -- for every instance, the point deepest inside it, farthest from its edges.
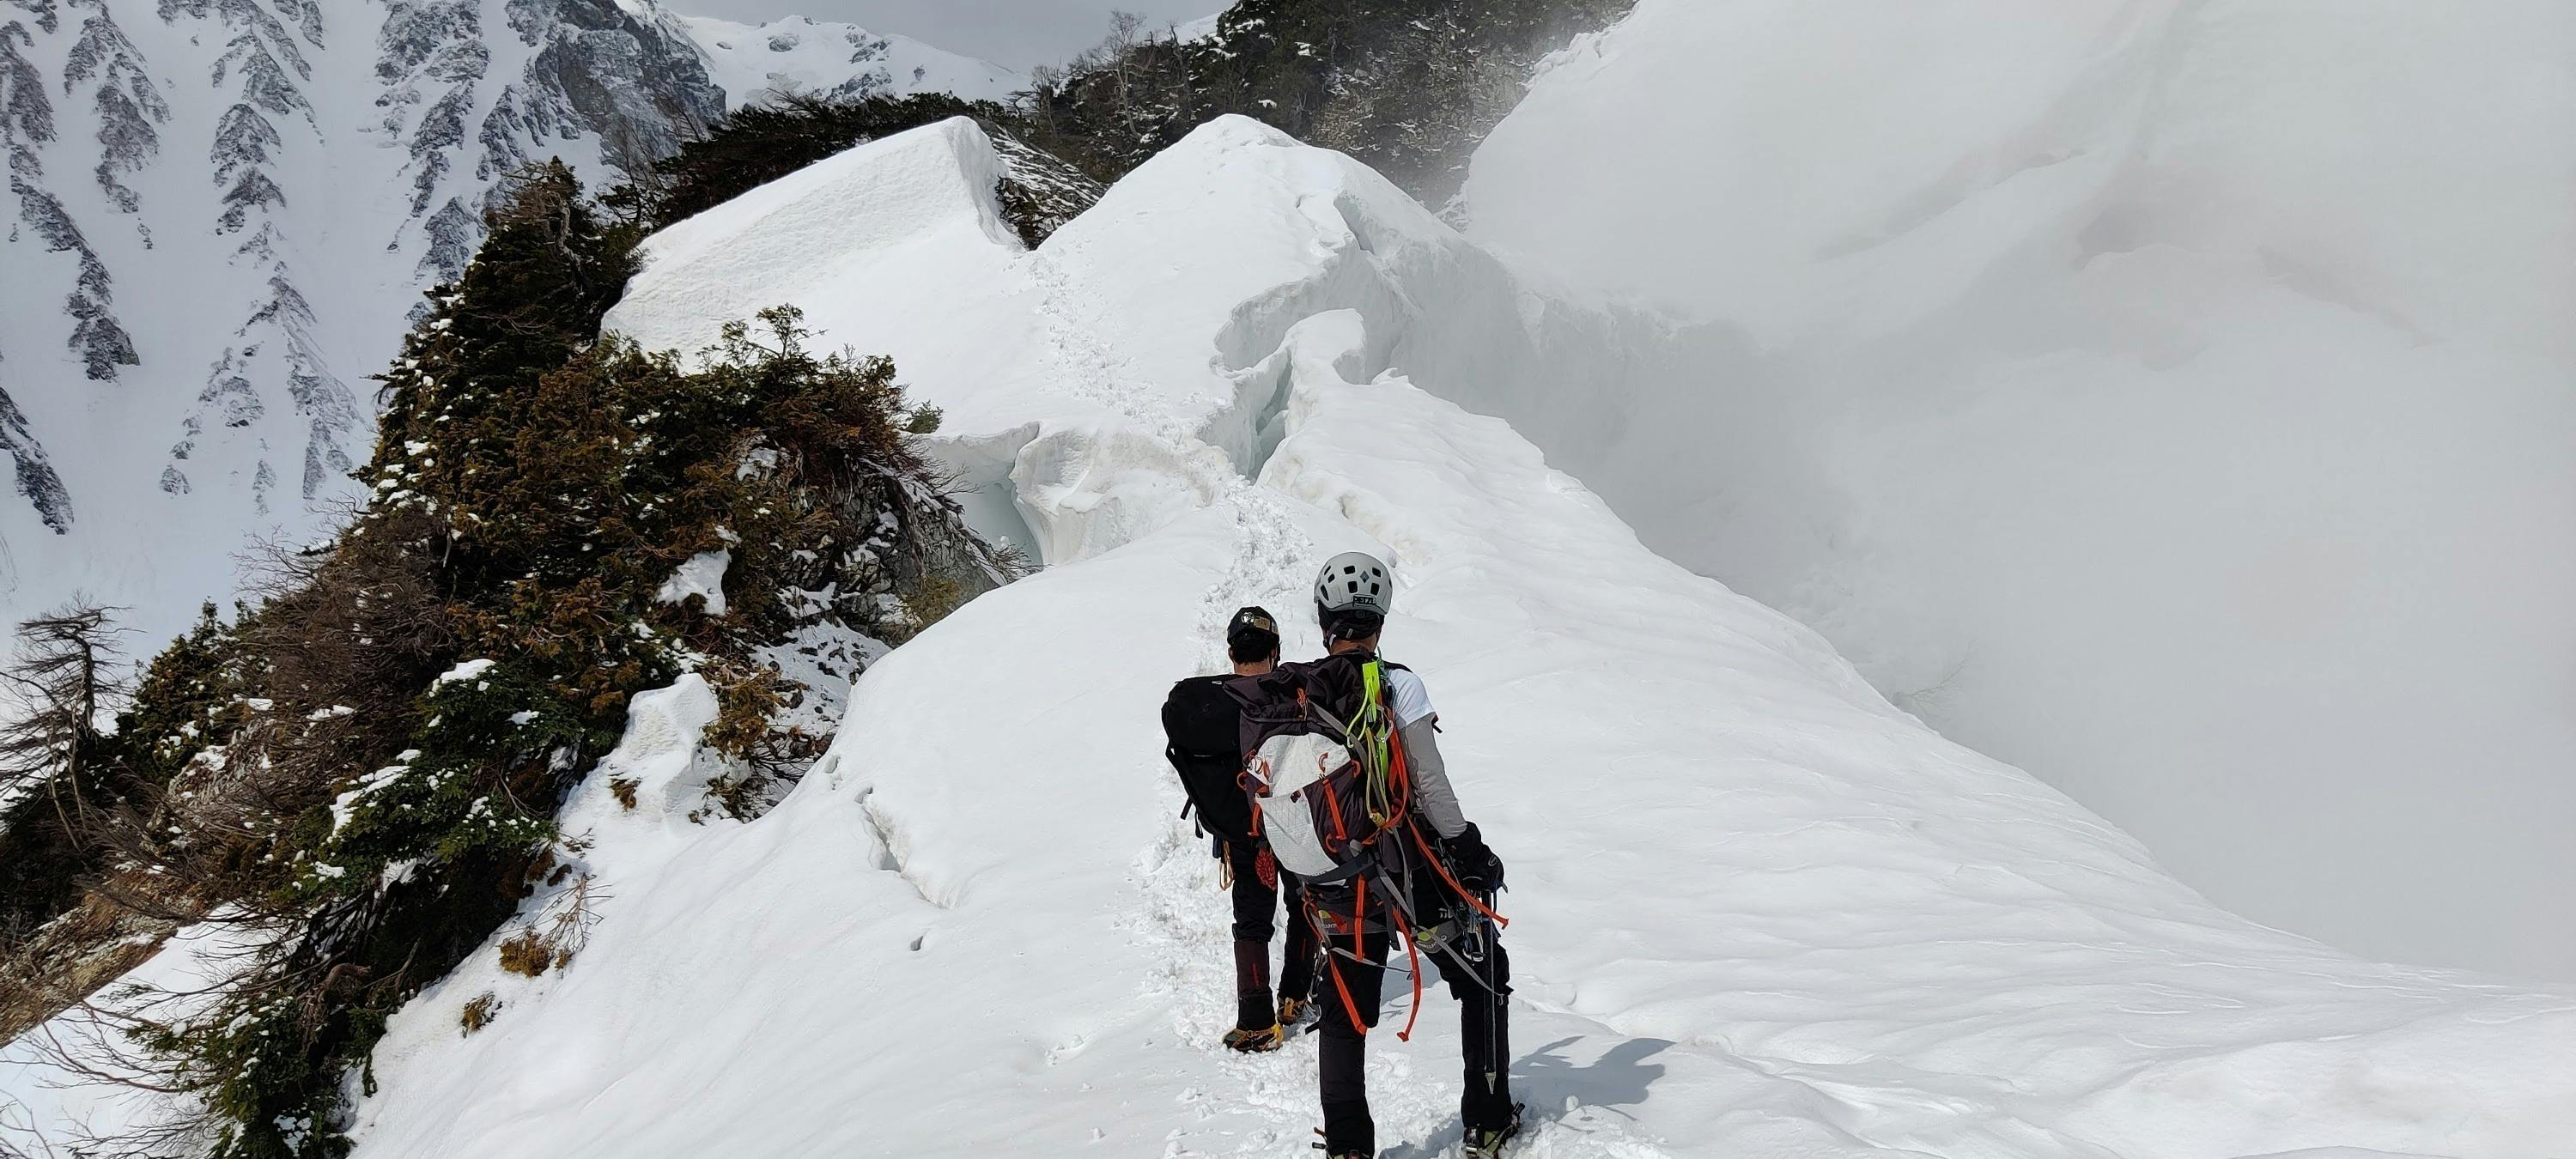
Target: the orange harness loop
(1412, 962)
(1359, 919)
(1400, 772)
(1359, 931)
(1348, 1007)
(1314, 916)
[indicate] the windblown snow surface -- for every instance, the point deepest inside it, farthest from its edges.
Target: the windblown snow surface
(2172, 398)
(1758, 910)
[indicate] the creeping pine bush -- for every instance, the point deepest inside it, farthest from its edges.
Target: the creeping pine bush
(493, 747)
(190, 696)
(400, 720)
(771, 138)
(1407, 86)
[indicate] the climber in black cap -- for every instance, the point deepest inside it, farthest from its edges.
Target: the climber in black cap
(1202, 729)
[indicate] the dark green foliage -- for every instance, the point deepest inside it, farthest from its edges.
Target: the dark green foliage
(269, 1058)
(768, 140)
(564, 505)
(548, 271)
(190, 697)
(45, 861)
(1408, 86)
(268, 1039)
(493, 749)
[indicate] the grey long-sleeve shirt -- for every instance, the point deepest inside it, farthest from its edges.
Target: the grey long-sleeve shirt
(1432, 792)
(1414, 717)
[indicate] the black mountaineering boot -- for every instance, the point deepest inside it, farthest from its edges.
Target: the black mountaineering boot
(1260, 1041)
(1319, 1145)
(1488, 1143)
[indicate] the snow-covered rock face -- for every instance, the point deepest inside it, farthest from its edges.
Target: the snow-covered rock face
(2169, 398)
(221, 213)
(820, 57)
(1758, 910)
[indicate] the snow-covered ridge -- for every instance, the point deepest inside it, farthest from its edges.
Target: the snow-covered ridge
(1758, 910)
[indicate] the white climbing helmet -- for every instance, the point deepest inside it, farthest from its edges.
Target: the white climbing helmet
(1354, 582)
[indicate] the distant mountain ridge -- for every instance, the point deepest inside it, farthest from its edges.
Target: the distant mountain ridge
(841, 60)
(222, 213)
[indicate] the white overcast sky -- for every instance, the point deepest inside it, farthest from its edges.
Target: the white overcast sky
(1017, 33)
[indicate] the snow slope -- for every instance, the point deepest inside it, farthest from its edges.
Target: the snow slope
(796, 54)
(2170, 398)
(1759, 910)
(44, 1112)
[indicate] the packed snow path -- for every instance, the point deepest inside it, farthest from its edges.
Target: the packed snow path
(1757, 910)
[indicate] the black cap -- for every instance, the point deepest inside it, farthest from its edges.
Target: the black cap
(1255, 624)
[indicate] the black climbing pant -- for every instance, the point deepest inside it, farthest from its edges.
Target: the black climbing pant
(1482, 990)
(1256, 918)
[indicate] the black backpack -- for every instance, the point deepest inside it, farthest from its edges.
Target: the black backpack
(1323, 770)
(1202, 732)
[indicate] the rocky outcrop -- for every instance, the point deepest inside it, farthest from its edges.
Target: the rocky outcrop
(604, 71)
(129, 106)
(34, 477)
(918, 561)
(1039, 191)
(278, 340)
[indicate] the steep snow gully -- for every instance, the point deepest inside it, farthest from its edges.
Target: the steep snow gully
(1758, 911)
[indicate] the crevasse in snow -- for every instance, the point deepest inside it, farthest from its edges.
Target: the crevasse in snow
(1758, 909)
(2170, 398)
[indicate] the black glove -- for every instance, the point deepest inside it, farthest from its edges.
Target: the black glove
(1477, 867)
